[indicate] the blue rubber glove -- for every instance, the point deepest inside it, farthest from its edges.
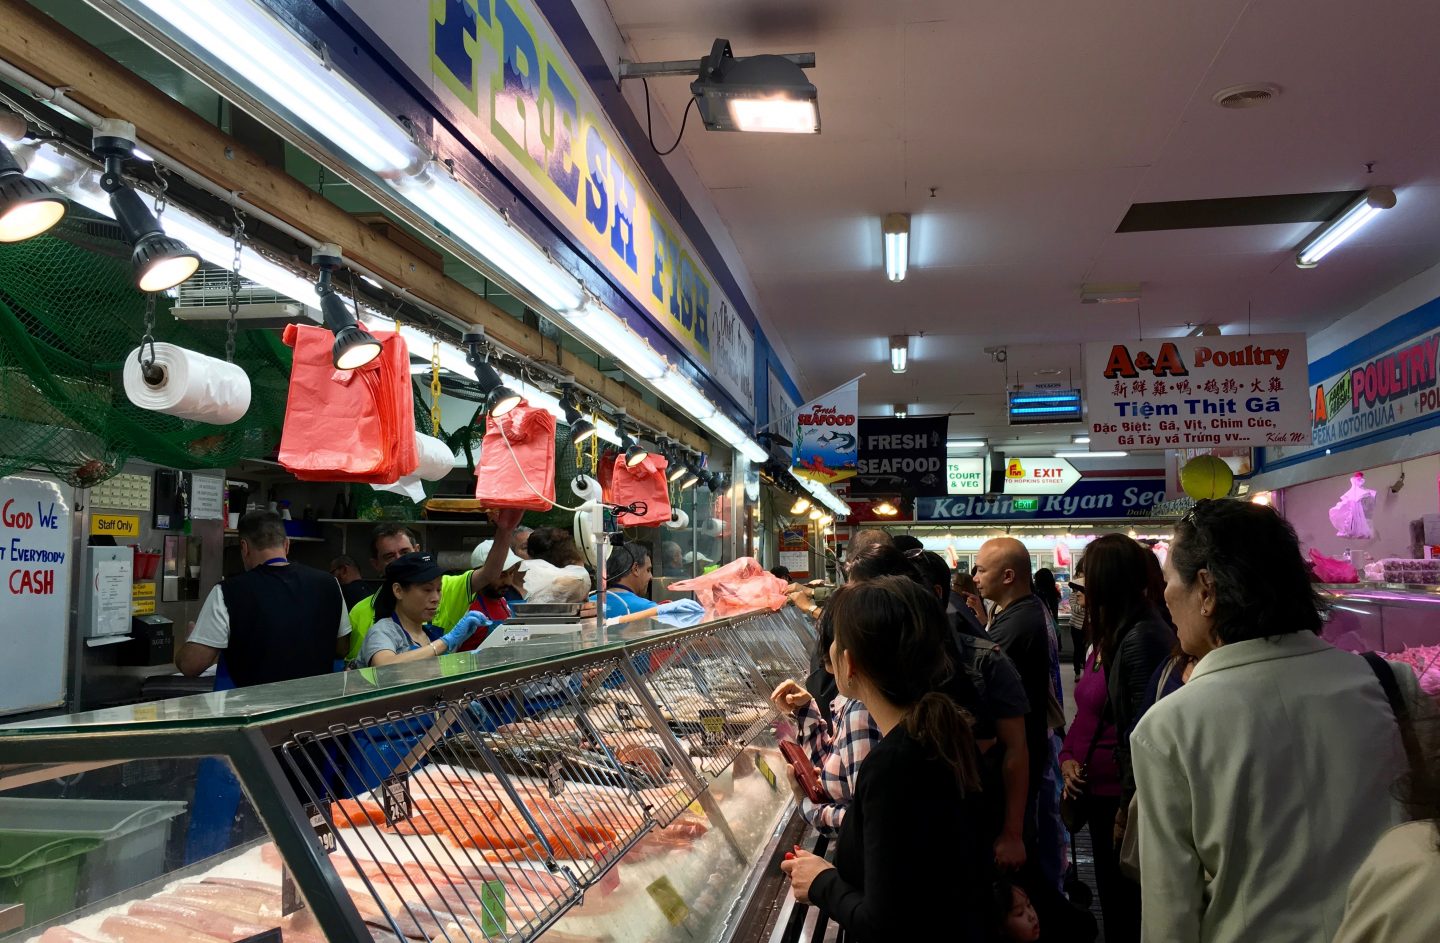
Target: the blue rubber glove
(466, 627)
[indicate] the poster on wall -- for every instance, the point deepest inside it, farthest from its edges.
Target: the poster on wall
(794, 552)
(1372, 396)
(505, 79)
(1198, 391)
(35, 567)
(902, 456)
(827, 436)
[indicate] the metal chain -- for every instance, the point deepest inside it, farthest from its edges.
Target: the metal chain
(237, 230)
(147, 365)
(162, 199)
(435, 389)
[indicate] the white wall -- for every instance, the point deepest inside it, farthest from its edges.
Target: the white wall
(1307, 507)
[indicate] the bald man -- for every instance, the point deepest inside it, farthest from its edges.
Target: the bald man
(1020, 627)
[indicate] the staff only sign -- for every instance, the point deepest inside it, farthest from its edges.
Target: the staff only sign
(1196, 391)
(902, 456)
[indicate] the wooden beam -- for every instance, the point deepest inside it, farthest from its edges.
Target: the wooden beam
(40, 46)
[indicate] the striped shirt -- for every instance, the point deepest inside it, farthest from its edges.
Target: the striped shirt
(837, 749)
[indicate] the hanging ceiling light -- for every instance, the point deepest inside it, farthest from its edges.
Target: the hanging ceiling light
(895, 229)
(581, 429)
(634, 452)
(354, 346)
(801, 505)
(901, 410)
(826, 520)
(499, 398)
(161, 262)
(756, 93)
(816, 514)
(1369, 205)
(27, 206)
(885, 509)
(899, 352)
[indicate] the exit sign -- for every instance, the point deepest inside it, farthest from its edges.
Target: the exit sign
(1025, 504)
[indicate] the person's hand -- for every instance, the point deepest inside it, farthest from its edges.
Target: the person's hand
(789, 697)
(796, 790)
(803, 868)
(1074, 775)
(977, 606)
(1009, 852)
(1122, 818)
(588, 610)
(507, 519)
(803, 597)
(466, 627)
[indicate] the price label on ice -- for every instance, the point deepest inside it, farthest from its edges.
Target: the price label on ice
(668, 899)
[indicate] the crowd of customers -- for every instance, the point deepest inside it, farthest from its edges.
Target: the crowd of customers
(1239, 777)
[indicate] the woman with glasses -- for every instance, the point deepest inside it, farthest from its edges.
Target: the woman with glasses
(1265, 781)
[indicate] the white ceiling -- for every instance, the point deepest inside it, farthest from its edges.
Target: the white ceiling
(1038, 124)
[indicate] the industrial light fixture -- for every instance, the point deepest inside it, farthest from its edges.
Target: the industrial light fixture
(354, 346)
(1365, 208)
(691, 477)
(678, 462)
(885, 509)
(683, 393)
(1080, 440)
(634, 452)
(499, 398)
(801, 505)
(899, 352)
(161, 262)
(756, 93)
(581, 429)
(28, 207)
(1078, 454)
(901, 410)
(816, 514)
(613, 338)
(896, 232)
(826, 520)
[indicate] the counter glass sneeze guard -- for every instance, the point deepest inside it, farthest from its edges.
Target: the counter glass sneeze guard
(480, 796)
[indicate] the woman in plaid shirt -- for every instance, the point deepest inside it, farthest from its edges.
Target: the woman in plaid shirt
(835, 748)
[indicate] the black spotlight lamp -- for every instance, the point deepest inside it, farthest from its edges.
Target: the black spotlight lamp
(634, 452)
(354, 346)
(581, 429)
(756, 93)
(160, 261)
(499, 398)
(27, 207)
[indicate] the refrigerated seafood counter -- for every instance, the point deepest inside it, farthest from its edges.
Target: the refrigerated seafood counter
(616, 784)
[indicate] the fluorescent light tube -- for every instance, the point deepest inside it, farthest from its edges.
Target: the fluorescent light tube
(258, 49)
(896, 231)
(899, 352)
(959, 444)
(753, 451)
(680, 391)
(481, 228)
(1080, 440)
(613, 338)
(1348, 223)
(1079, 454)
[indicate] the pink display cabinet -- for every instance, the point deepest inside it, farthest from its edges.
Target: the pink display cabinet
(1382, 618)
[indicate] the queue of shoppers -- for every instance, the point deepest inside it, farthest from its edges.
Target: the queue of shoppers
(1240, 778)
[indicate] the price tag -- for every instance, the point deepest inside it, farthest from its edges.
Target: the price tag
(320, 821)
(492, 909)
(395, 799)
(553, 779)
(671, 904)
(624, 713)
(712, 721)
(765, 770)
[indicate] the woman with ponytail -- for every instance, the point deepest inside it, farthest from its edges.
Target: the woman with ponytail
(911, 861)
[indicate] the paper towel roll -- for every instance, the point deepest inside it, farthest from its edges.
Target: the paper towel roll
(713, 527)
(679, 520)
(585, 488)
(192, 386)
(436, 459)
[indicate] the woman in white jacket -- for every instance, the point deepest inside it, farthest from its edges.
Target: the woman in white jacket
(1264, 782)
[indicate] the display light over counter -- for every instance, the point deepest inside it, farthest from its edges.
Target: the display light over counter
(756, 93)
(354, 346)
(28, 207)
(161, 262)
(581, 429)
(499, 398)
(635, 453)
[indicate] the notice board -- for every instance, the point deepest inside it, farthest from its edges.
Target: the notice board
(35, 572)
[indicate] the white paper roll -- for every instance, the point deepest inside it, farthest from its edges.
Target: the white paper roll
(585, 488)
(679, 520)
(712, 527)
(436, 459)
(192, 386)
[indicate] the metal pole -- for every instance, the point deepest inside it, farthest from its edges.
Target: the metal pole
(649, 70)
(775, 421)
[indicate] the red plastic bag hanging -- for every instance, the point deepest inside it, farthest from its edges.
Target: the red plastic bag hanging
(522, 473)
(348, 425)
(646, 483)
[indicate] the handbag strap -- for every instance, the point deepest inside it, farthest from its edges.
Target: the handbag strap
(1385, 674)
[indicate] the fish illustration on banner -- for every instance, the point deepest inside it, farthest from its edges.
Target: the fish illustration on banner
(827, 435)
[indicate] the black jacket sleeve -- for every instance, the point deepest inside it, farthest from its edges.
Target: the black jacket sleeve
(1143, 649)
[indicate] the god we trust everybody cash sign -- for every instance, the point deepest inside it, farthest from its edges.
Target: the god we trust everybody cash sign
(1194, 391)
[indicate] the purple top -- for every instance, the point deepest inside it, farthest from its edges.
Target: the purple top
(1103, 774)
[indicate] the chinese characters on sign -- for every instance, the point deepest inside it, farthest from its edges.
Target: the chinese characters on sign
(1198, 391)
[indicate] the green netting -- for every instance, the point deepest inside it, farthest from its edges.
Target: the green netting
(68, 318)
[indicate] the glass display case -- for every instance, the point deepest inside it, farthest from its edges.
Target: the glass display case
(1382, 617)
(605, 784)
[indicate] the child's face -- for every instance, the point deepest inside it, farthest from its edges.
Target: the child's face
(1022, 925)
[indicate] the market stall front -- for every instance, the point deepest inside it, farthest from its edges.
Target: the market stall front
(610, 784)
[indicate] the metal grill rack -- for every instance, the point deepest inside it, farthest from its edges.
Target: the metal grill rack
(776, 653)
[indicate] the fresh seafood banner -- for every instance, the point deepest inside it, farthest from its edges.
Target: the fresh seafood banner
(827, 436)
(902, 457)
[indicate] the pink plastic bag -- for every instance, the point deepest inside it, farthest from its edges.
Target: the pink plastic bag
(741, 586)
(1330, 570)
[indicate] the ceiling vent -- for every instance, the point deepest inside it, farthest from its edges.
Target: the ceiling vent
(1246, 96)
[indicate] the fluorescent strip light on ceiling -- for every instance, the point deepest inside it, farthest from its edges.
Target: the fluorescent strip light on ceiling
(896, 230)
(1079, 454)
(961, 444)
(899, 353)
(257, 48)
(684, 394)
(613, 338)
(1370, 204)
